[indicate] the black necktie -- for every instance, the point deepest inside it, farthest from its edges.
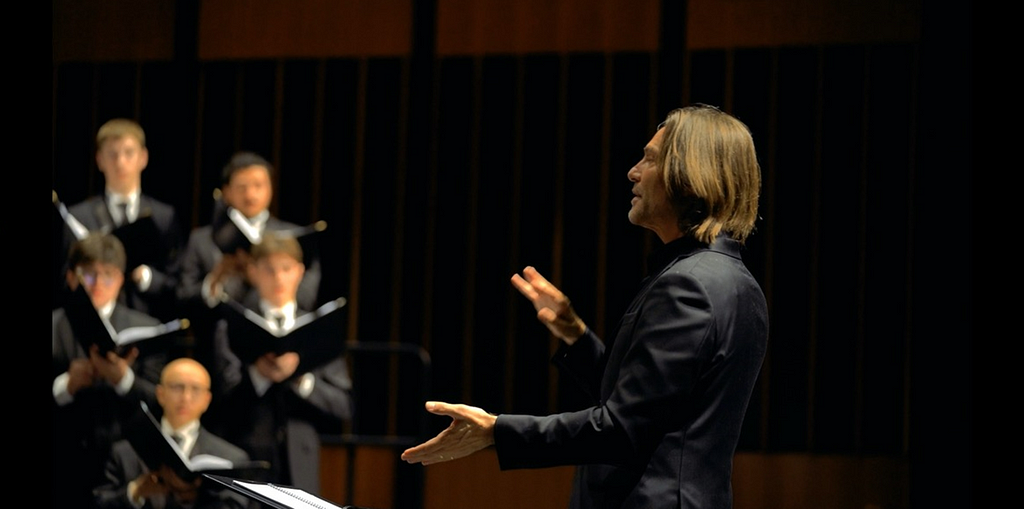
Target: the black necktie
(123, 207)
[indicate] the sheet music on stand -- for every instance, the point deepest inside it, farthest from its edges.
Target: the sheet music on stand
(275, 495)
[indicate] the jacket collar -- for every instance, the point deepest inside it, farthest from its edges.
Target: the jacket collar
(687, 246)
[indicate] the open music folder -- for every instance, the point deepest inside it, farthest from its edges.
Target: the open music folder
(275, 495)
(231, 232)
(143, 242)
(318, 337)
(157, 449)
(90, 328)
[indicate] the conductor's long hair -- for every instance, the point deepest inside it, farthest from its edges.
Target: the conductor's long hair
(711, 172)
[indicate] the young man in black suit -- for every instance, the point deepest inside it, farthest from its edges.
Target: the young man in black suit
(670, 394)
(210, 276)
(94, 394)
(268, 405)
(183, 395)
(121, 156)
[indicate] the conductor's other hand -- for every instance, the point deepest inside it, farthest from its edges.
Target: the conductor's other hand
(553, 308)
(471, 430)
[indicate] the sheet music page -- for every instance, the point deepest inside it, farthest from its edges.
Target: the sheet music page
(292, 497)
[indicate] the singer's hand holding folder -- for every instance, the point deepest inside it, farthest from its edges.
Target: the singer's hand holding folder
(91, 329)
(317, 337)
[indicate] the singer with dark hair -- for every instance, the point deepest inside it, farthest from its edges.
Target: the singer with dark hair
(209, 275)
(670, 394)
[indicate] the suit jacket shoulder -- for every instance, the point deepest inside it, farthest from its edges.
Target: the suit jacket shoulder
(123, 317)
(209, 443)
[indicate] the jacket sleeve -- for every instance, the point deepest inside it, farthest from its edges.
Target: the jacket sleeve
(652, 368)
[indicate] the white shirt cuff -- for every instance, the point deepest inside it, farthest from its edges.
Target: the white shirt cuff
(259, 382)
(60, 389)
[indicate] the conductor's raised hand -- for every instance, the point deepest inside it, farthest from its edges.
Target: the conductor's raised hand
(553, 308)
(471, 430)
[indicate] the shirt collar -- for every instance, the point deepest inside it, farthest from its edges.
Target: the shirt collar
(131, 200)
(188, 432)
(287, 310)
(107, 310)
(259, 219)
(685, 246)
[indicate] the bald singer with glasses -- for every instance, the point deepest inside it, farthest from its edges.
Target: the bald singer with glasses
(183, 395)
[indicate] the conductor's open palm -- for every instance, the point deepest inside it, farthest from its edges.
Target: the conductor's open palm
(553, 308)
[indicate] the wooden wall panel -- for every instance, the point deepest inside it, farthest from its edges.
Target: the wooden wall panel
(478, 482)
(755, 23)
(231, 29)
(113, 30)
(494, 26)
(793, 481)
(803, 481)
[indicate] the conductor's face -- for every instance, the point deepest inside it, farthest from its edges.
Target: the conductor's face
(249, 190)
(651, 207)
(276, 278)
(183, 392)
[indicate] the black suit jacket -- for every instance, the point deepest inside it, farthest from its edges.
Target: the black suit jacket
(280, 426)
(670, 394)
(201, 256)
(159, 299)
(85, 429)
(124, 465)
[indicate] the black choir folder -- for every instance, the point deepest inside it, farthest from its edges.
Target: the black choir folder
(90, 328)
(231, 232)
(157, 449)
(143, 242)
(275, 495)
(317, 337)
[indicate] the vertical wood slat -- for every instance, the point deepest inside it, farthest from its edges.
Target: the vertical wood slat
(601, 278)
(197, 158)
(317, 162)
(469, 283)
(909, 295)
(516, 232)
(862, 191)
(769, 171)
(813, 313)
(558, 220)
(394, 330)
(357, 203)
